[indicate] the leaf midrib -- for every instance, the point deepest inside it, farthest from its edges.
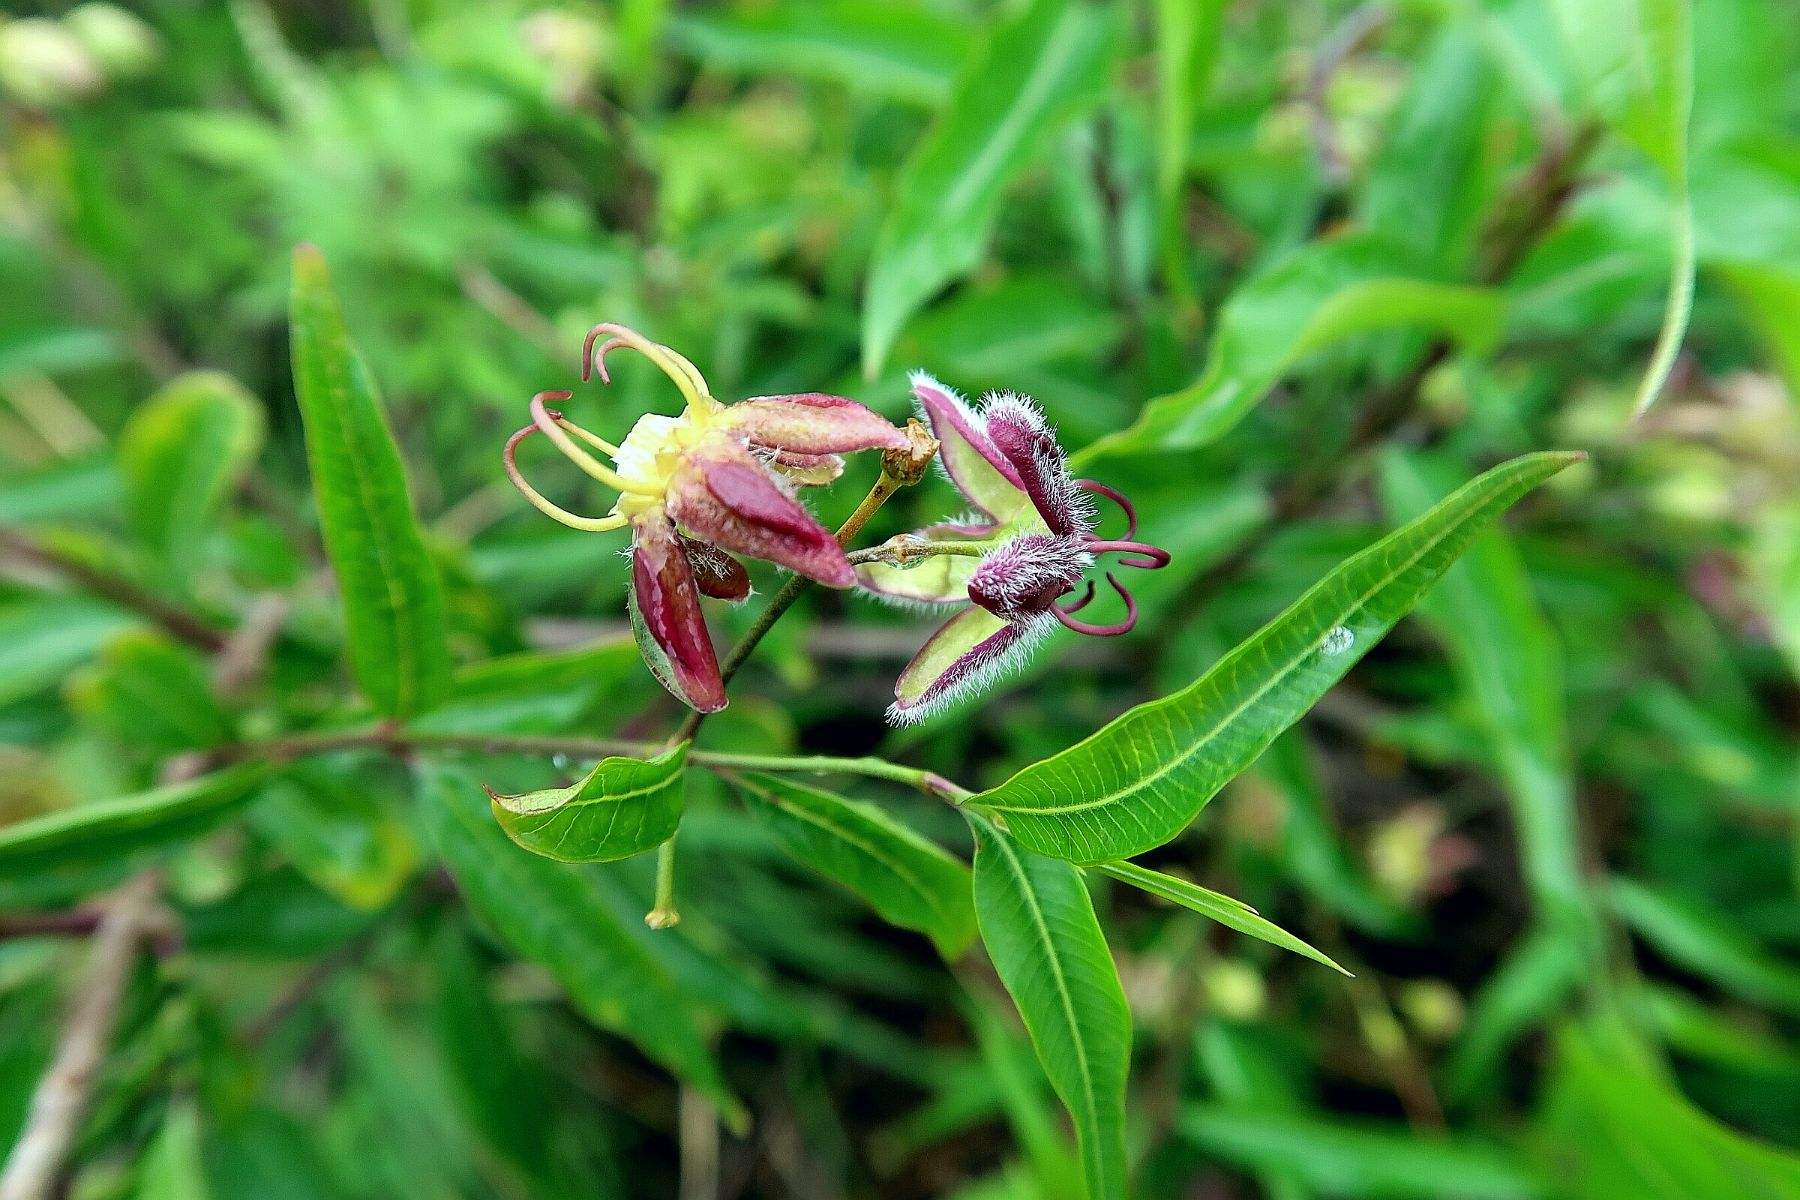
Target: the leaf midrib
(1206, 738)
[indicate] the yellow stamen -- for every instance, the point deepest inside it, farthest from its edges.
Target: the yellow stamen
(540, 502)
(540, 416)
(593, 439)
(682, 373)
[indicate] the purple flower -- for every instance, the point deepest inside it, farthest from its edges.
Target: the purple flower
(716, 479)
(1030, 543)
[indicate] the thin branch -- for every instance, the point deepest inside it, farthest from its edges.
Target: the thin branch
(177, 621)
(61, 1099)
(1351, 34)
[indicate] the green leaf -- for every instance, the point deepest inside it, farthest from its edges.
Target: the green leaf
(897, 51)
(107, 831)
(1035, 73)
(1321, 294)
(1708, 944)
(1139, 781)
(393, 601)
(42, 640)
(1039, 928)
(182, 452)
(1233, 914)
(151, 694)
(1614, 1126)
(552, 914)
(172, 1167)
(911, 882)
(1342, 1159)
(1632, 63)
(624, 806)
(339, 833)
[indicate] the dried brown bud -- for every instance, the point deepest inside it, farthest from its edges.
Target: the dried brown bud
(906, 467)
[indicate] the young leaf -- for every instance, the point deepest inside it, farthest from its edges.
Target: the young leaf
(393, 600)
(897, 51)
(553, 915)
(905, 878)
(1233, 914)
(624, 806)
(1038, 70)
(172, 1166)
(151, 694)
(181, 452)
(1039, 928)
(1321, 294)
(1139, 781)
(107, 830)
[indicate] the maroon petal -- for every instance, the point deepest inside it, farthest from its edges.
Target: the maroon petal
(979, 471)
(665, 615)
(726, 497)
(813, 423)
(1024, 577)
(969, 652)
(1022, 436)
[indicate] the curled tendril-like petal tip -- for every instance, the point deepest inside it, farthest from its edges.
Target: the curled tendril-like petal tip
(1086, 598)
(1144, 555)
(1118, 498)
(1114, 630)
(593, 359)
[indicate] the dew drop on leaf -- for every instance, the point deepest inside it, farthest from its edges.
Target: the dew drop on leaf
(1338, 640)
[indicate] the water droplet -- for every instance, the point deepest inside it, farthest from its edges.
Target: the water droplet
(560, 762)
(1338, 640)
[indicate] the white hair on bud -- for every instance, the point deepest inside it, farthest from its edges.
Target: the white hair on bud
(1019, 575)
(988, 673)
(1046, 453)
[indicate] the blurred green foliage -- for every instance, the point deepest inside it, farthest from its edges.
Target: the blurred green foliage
(1287, 273)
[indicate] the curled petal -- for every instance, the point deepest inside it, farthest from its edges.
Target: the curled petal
(973, 464)
(665, 616)
(1117, 497)
(682, 373)
(1023, 578)
(1114, 630)
(1017, 429)
(716, 573)
(969, 653)
(509, 459)
(1086, 598)
(813, 423)
(726, 497)
(1147, 557)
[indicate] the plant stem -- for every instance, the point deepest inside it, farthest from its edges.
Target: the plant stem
(394, 741)
(898, 469)
(178, 622)
(664, 913)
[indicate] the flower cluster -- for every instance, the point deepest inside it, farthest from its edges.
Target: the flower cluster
(720, 480)
(1030, 543)
(696, 488)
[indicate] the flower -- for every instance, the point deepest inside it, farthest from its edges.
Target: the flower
(717, 478)
(1030, 544)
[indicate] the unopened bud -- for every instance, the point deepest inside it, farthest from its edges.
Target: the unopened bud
(906, 467)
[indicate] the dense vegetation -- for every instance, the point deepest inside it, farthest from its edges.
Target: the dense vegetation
(1325, 289)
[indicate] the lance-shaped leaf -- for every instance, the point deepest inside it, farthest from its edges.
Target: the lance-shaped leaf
(624, 806)
(393, 600)
(1139, 781)
(1038, 70)
(905, 878)
(150, 693)
(1039, 928)
(110, 831)
(181, 452)
(1233, 914)
(556, 916)
(1320, 295)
